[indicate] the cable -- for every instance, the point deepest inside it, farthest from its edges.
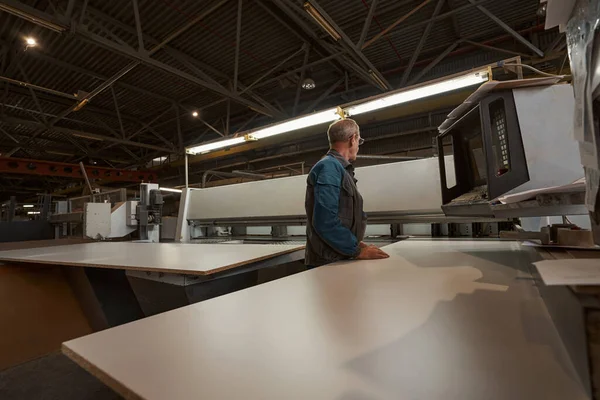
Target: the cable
(502, 64)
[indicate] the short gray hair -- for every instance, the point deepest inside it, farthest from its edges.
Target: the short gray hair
(342, 130)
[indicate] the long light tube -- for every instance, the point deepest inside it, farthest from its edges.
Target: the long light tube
(312, 11)
(298, 123)
(276, 129)
(419, 93)
(204, 148)
(333, 114)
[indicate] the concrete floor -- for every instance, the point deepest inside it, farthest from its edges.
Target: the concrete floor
(53, 377)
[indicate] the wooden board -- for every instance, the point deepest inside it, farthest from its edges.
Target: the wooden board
(38, 311)
(438, 320)
(185, 258)
(31, 244)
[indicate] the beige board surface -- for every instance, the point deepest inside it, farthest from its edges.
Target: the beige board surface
(186, 258)
(437, 320)
(404, 186)
(581, 271)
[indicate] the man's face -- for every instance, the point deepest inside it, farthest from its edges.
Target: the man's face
(355, 142)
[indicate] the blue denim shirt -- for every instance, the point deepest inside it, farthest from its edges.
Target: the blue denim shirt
(326, 177)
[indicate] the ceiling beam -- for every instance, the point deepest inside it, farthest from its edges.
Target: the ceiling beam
(317, 43)
(358, 54)
(238, 33)
(81, 134)
(434, 62)
(145, 58)
(508, 29)
(424, 36)
(497, 49)
(394, 24)
(367, 25)
(195, 65)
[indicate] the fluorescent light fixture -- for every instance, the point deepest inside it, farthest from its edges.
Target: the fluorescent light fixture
(333, 114)
(28, 206)
(433, 89)
(162, 189)
(33, 213)
(298, 123)
(205, 148)
(276, 129)
(320, 19)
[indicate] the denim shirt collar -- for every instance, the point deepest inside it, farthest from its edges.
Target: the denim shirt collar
(345, 163)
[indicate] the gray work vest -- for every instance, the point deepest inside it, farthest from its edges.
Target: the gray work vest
(350, 213)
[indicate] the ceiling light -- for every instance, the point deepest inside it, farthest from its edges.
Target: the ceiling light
(308, 84)
(33, 213)
(195, 114)
(297, 123)
(30, 41)
(333, 114)
(28, 206)
(433, 89)
(276, 129)
(205, 148)
(162, 189)
(320, 19)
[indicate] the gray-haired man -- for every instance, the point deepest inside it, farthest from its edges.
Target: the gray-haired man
(336, 221)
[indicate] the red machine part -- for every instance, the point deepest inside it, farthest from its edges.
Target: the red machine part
(50, 168)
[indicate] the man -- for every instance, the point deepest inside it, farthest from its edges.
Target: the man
(336, 222)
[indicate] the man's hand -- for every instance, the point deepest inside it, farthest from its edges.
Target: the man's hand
(371, 253)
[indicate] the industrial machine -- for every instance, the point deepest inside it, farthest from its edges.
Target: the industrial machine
(109, 215)
(506, 141)
(507, 137)
(149, 212)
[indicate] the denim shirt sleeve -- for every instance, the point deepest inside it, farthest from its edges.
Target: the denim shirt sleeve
(327, 182)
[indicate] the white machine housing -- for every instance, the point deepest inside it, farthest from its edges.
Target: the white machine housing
(531, 135)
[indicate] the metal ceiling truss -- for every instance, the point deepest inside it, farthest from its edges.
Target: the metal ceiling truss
(343, 56)
(194, 65)
(90, 110)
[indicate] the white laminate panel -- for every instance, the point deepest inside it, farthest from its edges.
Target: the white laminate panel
(164, 257)
(404, 186)
(438, 320)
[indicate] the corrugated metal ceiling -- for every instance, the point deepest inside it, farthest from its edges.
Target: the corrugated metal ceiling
(69, 63)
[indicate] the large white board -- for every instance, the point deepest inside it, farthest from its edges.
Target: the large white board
(404, 186)
(193, 259)
(438, 320)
